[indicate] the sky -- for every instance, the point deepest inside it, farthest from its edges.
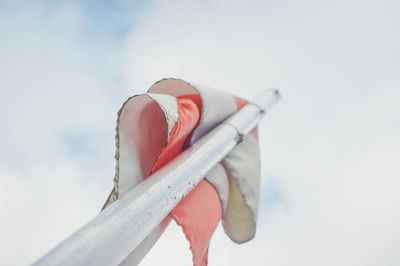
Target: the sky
(330, 148)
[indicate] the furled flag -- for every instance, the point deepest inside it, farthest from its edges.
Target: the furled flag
(155, 127)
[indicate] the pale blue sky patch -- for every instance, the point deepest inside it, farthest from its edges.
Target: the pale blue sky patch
(77, 143)
(271, 197)
(114, 18)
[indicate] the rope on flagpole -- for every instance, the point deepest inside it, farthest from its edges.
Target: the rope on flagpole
(121, 227)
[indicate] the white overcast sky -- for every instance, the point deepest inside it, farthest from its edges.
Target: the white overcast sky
(330, 149)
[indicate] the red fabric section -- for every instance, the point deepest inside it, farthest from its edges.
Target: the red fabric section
(189, 116)
(200, 211)
(240, 102)
(198, 214)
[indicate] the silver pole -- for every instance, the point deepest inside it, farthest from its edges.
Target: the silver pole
(114, 233)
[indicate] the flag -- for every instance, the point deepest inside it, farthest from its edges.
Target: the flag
(153, 128)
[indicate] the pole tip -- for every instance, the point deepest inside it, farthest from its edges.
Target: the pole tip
(277, 94)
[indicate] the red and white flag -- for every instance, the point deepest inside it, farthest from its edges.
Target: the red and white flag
(153, 128)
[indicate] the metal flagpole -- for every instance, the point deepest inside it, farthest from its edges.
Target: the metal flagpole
(121, 227)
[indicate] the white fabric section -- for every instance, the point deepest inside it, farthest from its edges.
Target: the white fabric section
(173, 87)
(218, 178)
(243, 167)
(130, 173)
(238, 220)
(130, 161)
(170, 107)
(217, 106)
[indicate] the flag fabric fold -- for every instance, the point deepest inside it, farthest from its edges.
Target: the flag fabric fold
(153, 128)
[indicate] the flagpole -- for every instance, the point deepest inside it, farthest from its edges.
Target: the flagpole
(121, 227)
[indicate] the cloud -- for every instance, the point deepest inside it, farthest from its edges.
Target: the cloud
(329, 149)
(39, 210)
(57, 112)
